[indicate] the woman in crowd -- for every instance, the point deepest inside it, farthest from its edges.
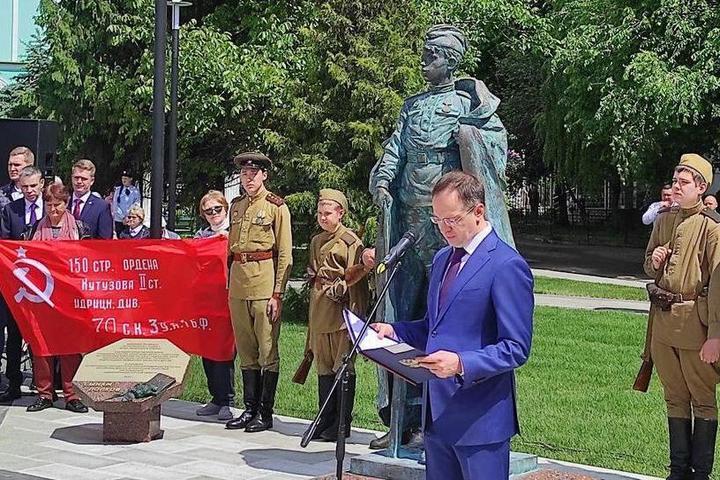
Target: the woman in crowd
(58, 224)
(135, 230)
(220, 375)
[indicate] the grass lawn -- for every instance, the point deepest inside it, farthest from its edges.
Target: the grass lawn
(575, 397)
(575, 288)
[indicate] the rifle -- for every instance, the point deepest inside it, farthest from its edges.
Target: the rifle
(642, 379)
(304, 368)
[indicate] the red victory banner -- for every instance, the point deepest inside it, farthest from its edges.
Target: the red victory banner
(77, 296)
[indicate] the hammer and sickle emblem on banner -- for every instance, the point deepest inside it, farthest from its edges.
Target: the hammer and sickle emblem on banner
(31, 291)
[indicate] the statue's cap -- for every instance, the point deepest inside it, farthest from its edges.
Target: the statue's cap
(697, 164)
(335, 196)
(252, 159)
(446, 36)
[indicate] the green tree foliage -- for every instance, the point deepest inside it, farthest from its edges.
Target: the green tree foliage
(630, 85)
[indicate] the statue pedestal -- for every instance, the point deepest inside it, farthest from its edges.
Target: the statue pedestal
(378, 465)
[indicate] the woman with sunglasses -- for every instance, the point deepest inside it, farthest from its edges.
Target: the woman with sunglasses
(220, 375)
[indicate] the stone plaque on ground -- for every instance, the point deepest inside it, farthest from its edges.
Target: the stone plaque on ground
(107, 375)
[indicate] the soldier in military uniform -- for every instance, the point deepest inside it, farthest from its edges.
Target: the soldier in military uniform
(682, 254)
(338, 279)
(260, 257)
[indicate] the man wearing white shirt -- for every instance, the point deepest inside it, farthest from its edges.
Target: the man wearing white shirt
(476, 332)
(19, 158)
(653, 210)
(87, 205)
(18, 218)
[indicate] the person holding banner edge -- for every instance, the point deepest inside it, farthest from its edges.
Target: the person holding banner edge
(477, 330)
(260, 258)
(18, 217)
(213, 207)
(58, 224)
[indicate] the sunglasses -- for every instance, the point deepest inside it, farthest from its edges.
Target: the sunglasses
(213, 210)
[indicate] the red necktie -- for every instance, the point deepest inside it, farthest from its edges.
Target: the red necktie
(452, 271)
(76, 209)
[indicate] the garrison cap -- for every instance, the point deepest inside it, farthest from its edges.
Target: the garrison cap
(697, 164)
(252, 159)
(334, 195)
(446, 36)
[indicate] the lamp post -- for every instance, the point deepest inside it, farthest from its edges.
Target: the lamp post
(172, 147)
(158, 117)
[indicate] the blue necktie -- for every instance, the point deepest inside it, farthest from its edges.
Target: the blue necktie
(33, 215)
(451, 274)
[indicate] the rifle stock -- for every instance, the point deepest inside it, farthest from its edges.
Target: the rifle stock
(642, 380)
(304, 368)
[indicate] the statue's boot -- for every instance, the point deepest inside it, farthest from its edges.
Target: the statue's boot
(251, 398)
(264, 420)
(331, 432)
(680, 430)
(703, 447)
(325, 383)
(412, 438)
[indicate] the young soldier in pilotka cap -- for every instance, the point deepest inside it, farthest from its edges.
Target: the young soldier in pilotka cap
(260, 257)
(682, 254)
(337, 278)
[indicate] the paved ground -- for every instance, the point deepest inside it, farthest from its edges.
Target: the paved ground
(612, 262)
(57, 444)
(588, 303)
(541, 272)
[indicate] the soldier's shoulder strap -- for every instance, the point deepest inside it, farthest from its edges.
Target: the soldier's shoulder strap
(349, 237)
(411, 100)
(238, 198)
(275, 199)
(711, 214)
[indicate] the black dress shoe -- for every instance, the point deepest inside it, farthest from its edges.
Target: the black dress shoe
(380, 443)
(9, 395)
(40, 404)
(76, 406)
(240, 422)
(260, 423)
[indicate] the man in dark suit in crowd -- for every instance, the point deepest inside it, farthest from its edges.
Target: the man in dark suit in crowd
(87, 205)
(19, 158)
(477, 331)
(18, 218)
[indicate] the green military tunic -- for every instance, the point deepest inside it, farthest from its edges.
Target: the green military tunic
(692, 235)
(258, 225)
(331, 255)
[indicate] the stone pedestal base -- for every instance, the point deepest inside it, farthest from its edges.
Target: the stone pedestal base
(377, 465)
(132, 427)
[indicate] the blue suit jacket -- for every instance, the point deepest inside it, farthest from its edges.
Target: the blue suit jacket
(96, 216)
(487, 320)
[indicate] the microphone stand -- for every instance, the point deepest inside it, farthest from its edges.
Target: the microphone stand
(342, 378)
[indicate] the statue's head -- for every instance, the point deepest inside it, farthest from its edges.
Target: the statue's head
(444, 48)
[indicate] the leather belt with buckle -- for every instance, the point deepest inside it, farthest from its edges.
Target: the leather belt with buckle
(245, 257)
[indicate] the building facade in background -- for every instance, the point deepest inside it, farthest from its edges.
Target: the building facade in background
(17, 27)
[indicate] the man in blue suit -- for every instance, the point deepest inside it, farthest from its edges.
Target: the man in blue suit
(18, 218)
(477, 331)
(87, 205)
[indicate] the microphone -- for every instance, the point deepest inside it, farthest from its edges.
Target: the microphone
(396, 252)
